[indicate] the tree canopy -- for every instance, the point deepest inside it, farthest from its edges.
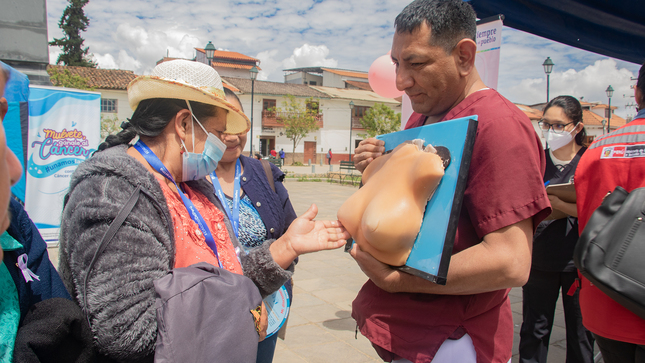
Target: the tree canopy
(73, 22)
(381, 119)
(298, 119)
(64, 78)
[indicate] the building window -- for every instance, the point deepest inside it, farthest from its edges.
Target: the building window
(268, 104)
(357, 116)
(313, 83)
(109, 105)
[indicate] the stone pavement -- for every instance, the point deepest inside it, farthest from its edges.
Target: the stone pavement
(320, 328)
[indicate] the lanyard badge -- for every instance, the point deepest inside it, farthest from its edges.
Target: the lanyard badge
(234, 214)
(157, 165)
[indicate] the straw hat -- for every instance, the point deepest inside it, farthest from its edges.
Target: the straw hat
(187, 80)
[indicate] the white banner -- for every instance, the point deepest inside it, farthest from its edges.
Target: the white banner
(489, 41)
(64, 130)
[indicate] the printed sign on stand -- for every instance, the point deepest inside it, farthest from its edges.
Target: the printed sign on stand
(64, 130)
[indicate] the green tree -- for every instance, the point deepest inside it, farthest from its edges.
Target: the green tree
(298, 119)
(381, 119)
(64, 78)
(73, 22)
(109, 126)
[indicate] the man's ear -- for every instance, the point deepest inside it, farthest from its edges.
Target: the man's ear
(639, 97)
(464, 53)
(182, 124)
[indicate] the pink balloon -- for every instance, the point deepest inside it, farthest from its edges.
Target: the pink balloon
(382, 77)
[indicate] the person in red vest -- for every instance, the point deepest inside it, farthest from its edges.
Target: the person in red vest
(619, 333)
(410, 319)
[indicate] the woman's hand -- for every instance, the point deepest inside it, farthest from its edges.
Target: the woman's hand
(561, 205)
(306, 235)
(264, 322)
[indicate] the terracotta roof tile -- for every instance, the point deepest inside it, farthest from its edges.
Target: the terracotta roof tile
(532, 113)
(233, 65)
(342, 72)
(274, 88)
(229, 86)
(100, 78)
(224, 54)
(592, 119)
(360, 85)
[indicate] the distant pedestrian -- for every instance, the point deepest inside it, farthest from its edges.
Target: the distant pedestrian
(274, 154)
(281, 157)
(329, 156)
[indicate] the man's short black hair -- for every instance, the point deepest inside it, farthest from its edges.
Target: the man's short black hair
(449, 20)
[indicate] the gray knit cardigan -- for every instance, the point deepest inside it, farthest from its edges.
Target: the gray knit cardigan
(120, 290)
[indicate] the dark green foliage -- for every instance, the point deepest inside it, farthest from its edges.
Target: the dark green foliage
(73, 22)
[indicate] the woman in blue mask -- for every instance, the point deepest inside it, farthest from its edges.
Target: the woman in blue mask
(552, 267)
(180, 114)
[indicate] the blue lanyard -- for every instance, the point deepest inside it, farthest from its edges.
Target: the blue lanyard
(234, 214)
(156, 164)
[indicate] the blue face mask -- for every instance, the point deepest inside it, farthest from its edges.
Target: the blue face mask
(196, 166)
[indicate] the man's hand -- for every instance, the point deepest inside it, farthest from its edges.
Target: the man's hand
(381, 274)
(367, 151)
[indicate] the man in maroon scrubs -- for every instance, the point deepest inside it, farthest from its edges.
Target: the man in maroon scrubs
(469, 319)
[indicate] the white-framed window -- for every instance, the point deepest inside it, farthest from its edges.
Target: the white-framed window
(109, 105)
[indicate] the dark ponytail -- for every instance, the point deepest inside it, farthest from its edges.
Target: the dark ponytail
(572, 108)
(152, 116)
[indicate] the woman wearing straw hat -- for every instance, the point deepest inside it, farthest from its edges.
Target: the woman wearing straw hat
(180, 113)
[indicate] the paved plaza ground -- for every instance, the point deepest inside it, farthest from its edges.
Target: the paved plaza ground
(320, 328)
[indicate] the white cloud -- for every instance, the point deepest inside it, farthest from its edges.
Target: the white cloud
(588, 83)
(350, 34)
(268, 63)
(106, 61)
(310, 56)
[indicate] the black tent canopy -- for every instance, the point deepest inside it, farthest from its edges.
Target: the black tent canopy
(613, 28)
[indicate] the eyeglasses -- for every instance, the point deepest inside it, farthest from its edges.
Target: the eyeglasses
(557, 128)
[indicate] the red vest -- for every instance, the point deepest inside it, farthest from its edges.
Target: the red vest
(609, 162)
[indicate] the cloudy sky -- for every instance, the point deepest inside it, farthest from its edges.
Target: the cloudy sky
(348, 34)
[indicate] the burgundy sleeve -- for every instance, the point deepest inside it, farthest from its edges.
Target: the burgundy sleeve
(505, 179)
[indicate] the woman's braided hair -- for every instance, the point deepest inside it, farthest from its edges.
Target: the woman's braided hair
(152, 116)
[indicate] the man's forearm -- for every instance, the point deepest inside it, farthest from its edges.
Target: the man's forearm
(502, 260)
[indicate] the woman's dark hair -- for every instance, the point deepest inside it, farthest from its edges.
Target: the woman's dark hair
(152, 116)
(572, 108)
(232, 94)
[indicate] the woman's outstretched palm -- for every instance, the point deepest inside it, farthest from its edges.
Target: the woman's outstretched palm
(306, 235)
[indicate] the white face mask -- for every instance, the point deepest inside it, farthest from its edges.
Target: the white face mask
(556, 141)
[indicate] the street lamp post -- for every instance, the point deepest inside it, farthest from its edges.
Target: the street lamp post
(254, 75)
(610, 92)
(351, 115)
(548, 67)
(210, 52)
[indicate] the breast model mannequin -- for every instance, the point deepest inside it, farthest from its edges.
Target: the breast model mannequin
(385, 215)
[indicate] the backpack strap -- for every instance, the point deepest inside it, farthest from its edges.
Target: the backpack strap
(267, 170)
(107, 237)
